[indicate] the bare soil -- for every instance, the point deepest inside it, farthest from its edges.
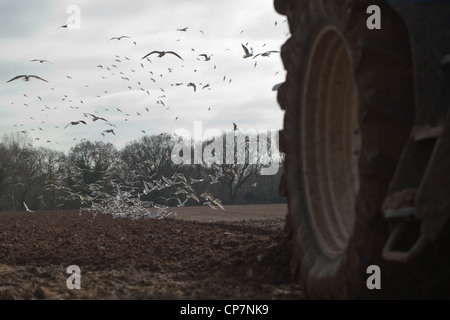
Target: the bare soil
(239, 253)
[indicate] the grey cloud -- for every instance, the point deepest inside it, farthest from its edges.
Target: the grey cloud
(22, 18)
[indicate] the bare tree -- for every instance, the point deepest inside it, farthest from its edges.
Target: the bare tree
(235, 158)
(148, 156)
(148, 159)
(52, 165)
(89, 163)
(19, 161)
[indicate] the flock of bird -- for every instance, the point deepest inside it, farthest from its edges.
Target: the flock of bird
(125, 200)
(114, 69)
(122, 204)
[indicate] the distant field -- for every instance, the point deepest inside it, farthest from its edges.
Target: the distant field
(232, 213)
(195, 213)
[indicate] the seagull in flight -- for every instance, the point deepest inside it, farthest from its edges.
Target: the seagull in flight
(63, 26)
(162, 54)
(148, 189)
(193, 181)
(179, 175)
(183, 29)
(181, 203)
(26, 207)
(247, 52)
(191, 84)
(118, 38)
(109, 131)
(209, 204)
(40, 60)
(214, 179)
(95, 118)
(207, 58)
(74, 123)
(26, 78)
(265, 54)
(218, 203)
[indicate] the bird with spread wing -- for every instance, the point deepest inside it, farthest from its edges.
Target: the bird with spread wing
(162, 54)
(26, 77)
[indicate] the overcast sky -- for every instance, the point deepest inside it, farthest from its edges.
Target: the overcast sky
(145, 92)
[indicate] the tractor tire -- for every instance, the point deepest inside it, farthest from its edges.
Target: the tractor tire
(349, 108)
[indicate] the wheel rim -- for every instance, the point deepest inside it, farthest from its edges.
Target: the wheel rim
(330, 143)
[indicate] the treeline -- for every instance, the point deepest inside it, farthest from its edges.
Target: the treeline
(47, 179)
